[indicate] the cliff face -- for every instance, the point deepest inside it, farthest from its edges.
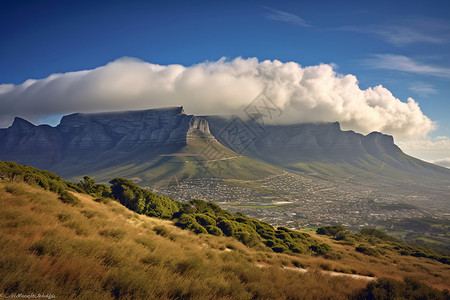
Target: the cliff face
(89, 136)
(299, 142)
(140, 141)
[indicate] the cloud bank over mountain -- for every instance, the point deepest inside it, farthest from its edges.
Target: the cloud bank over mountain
(303, 94)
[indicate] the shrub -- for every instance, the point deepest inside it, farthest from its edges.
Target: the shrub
(296, 250)
(69, 198)
(341, 235)
(372, 232)
(279, 248)
(205, 220)
(214, 230)
(185, 221)
(161, 230)
(247, 238)
(330, 230)
(102, 200)
(189, 222)
(226, 226)
(385, 288)
(320, 249)
(366, 250)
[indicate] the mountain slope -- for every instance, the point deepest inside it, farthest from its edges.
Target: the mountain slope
(52, 248)
(325, 150)
(80, 251)
(156, 146)
(150, 146)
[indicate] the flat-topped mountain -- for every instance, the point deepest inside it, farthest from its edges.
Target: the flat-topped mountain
(324, 150)
(89, 136)
(157, 144)
(311, 140)
(149, 145)
(154, 127)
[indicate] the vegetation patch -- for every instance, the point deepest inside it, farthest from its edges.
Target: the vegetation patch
(69, 198)
(114, 233)
(127, 260)
(385, 288)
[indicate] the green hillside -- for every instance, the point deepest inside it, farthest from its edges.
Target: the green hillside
(200, 158)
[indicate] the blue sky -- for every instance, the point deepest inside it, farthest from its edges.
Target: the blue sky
(401, 45)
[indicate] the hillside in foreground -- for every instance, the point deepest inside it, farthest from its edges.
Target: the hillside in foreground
(101, 250)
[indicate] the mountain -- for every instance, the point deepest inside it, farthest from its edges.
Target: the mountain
(157, 145)
(325, 150)
(149, 146)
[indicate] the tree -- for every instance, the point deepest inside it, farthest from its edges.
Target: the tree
(87, 184)
(226, 226)
(331, 230)
(128, 194)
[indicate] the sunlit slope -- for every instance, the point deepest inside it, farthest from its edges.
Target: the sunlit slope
(200, 158)
(104, 251)
(366, 166)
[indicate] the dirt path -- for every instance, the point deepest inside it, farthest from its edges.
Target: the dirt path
(329, 273)
(332, 273)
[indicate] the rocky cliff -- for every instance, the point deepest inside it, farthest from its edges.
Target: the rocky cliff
(164, 140)
(90, 136)
(301, 141)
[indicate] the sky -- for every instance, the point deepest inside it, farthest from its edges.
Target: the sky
(371, 65)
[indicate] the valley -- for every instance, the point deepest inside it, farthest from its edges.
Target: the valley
(297, 201)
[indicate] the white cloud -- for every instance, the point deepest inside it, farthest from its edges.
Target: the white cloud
(401, 36)
(444, 162)
(422, 89)
(4, 88)
(407, 31)
(304, 94)
(397, 35)
(434, 150)
(282, 16)
(427, 143)
(405, 64)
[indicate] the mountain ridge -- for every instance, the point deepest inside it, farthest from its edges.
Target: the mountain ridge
(167, 137)
(301, 147)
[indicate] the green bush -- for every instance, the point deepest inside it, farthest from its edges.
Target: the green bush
(214, 230)
(372, 232)
(366, 250)
(189, 222)
(330, 230)
(385, 288)
(226, 226)
(205, 220)
(279, 248)
(185, 221)
(320, 249)
(69, 198)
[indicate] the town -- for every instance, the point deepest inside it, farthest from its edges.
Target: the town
(297, 201)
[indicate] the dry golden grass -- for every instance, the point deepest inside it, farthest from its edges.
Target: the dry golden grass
(104, 251)
(391, 265)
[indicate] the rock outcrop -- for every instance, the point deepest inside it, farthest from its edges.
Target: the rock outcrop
(284, 143)
(90, 136)
(167, 139)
